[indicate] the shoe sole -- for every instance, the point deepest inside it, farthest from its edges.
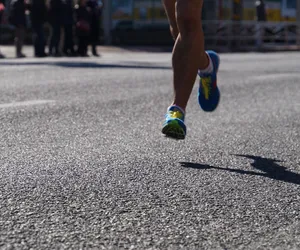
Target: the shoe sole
(216, 104)
(173, 130)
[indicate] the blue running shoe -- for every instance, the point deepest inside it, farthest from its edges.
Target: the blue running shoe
(174, 126)
(209, 94)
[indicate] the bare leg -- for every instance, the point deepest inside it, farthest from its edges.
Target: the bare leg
(170, 7)
(188, 54)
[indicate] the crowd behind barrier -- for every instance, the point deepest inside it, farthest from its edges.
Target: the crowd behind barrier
(57, 27)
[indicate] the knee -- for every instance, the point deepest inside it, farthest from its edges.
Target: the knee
(188, 15)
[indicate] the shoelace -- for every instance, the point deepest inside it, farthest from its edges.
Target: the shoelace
(175, 114)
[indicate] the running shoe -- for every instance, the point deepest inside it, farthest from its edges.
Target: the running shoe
(174, 126)
(209, 94)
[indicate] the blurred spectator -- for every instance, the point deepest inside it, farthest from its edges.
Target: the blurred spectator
(261, 15)
(18, 19)
(83, 20)
(68, 22)
(56, 21)
(2, 8)
(38, 13)
(94, 7)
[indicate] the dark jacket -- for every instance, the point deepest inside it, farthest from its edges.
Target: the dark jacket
(1, 11)
(83, 16)
(68, 12)
(95, 10)
(261, 14)
(17, 13)
(56, 12)
(38, 11)
(95, 19)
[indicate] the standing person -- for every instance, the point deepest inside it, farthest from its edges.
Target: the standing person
(68, 21)
(261, 14)
(83, 17)
(18, 19)
(189, 58)
(95, 9)
(55, 19)
(38, 13)
(2, 8)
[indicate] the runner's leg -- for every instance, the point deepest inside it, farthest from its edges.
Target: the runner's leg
(188, 54)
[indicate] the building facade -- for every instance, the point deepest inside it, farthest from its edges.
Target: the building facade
(152, 10)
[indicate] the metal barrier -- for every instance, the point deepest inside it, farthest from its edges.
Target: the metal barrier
(252, 35)
(219, 35)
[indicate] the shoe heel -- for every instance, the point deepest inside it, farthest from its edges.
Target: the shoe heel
(215, 58)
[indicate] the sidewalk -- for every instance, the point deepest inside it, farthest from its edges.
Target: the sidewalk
(9, 50)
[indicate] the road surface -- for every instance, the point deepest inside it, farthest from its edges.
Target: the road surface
(84, 165)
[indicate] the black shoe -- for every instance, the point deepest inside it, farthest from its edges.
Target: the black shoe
(41, 55)
(57, 54)
(94, 52)
(20, 55)
(73, 54)
(82, 53)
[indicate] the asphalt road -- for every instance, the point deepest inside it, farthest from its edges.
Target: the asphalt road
(83, 163)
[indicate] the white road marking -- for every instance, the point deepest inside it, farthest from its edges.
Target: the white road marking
(274, 76)
(25, 103)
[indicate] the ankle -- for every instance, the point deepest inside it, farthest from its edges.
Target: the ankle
(182, 110)
(209, 68)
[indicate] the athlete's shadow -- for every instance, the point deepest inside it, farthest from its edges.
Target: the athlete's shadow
(269, 168)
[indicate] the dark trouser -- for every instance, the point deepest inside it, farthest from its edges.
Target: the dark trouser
(82, 45)
(19, 39)
(68, 43)
(94, 47)
(94, 36)
(38, 38)
(94, 41)
(55, 38)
